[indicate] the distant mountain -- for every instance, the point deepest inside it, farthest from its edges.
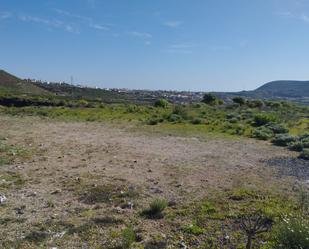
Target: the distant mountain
(14, 85)
(297, 91)
(285, 89)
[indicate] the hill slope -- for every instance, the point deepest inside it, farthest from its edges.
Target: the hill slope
(285, 88)
(12, 84)
(291, 90)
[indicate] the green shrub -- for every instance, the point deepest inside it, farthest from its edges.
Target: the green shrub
(305, 140)
(156, 207)
(233, 120)
(283, 139)
(152, 122)
(255, 103)
(262, 133)
(181, 111)
(239, 100)
(296, 146)
(304, 136)
(277, 128)
(132, 109)
(175, 118)
(291, 233)
(196, 121)
(162, 103)
(304, 154)
(263, 119)
(231, 115)
(193, 229)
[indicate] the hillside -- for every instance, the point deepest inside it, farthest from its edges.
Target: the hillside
(107, 96)
(285, 88)
(14, 85)
(296, 91)
(10, 84)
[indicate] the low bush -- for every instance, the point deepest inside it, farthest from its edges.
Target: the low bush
(255, 103)
(263, 119)
(181, 111)
(239, 100)
(262, 133)
(152, 121)
(296, 146)
(283, 139)
(277, 128)
(305, 140)
(196, 121)
(175, 118)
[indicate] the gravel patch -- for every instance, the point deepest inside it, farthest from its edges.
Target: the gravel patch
(289, 166)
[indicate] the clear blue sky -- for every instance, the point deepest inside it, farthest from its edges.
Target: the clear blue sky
(222, 45)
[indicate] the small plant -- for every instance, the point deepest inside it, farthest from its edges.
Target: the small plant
(303, 198)
(156, 207)
(292, 233)
(128, 237)
(193, 229)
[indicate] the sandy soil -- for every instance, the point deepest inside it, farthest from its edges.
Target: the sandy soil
(176, 168)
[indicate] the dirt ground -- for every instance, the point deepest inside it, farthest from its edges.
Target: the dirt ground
(65, 155)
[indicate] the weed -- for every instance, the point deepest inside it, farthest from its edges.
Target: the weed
(156, 207)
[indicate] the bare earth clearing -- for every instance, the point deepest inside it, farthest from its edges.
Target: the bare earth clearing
(69, 158)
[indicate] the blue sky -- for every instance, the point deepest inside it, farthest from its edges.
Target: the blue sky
(221, 45)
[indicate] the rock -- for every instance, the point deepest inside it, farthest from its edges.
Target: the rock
(59, 235)
(119, 210)
(57, 191)
(130, 204)
(183, 245)
(172, 203)
(20, 210)
(2, 198)
(156, 190)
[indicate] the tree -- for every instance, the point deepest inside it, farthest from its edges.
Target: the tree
(239, 100)
(161, 103)
(253, 225)
(209, 99)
